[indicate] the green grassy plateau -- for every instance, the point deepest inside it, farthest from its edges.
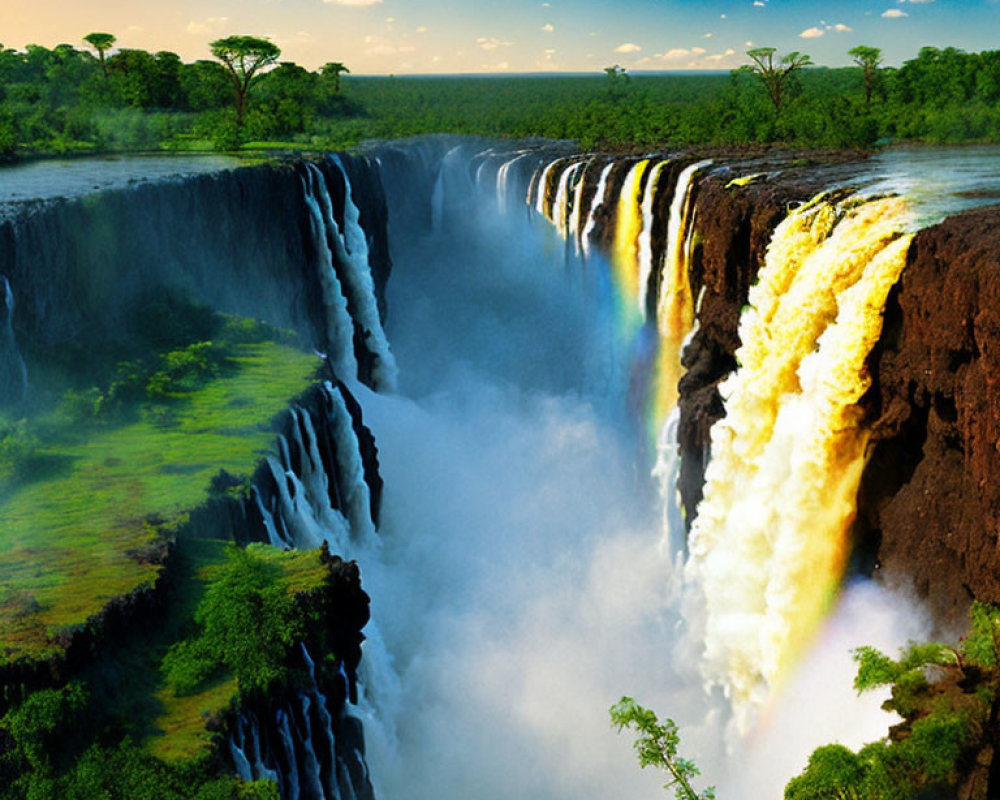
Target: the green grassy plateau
(85, 525)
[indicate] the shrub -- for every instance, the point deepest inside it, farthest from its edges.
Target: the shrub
(246, 588)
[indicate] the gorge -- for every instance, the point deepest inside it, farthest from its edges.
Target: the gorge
(586, 425)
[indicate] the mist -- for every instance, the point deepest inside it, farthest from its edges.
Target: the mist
(522, 584)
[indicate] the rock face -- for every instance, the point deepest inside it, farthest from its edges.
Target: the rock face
(930, 497)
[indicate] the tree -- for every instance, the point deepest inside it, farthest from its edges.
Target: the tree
(775, 75)
(100, 42)
(334, 68)
(657, 746)
(868, 58)
(244, 57)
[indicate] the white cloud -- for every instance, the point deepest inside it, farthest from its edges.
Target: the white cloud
(546, 5)
(390, 20)
(378, 46)
(549, 54)
(729, 52)
(491, 42)
(627, 47)
(203, 27)
(921, 1)
(722, 16)
(354, 3)
(708, 36)
(698, 51)
(677, 52)
(548, 28)
(422, 29)
(759, 3)
(811, 33)
(840, 27)
(894, 13)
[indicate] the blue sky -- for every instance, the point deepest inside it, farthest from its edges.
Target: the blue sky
(446, 36)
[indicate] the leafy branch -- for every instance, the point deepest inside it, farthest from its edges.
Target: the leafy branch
(657, 746)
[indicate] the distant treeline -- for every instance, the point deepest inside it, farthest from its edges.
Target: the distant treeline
(67, 99)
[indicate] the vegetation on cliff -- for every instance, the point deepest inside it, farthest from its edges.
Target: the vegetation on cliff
(949, 701)
(95, 481)
(120, 728)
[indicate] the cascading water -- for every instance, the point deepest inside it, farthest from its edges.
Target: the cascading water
(769, 545)
(12, 367)
(340, 328)
(596, 203)
(625, 249)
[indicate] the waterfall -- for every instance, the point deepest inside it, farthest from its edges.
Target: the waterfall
(352, 253)
(302, 513)
(541, 188)
(560, 206)
(646, 236)
(503, 176)
(576, 221)
(769, 544)
(628, 224)
(595, 204)
(291, 773)
(340, 326)
(350, 469)
(674, 305)
(311, 762)
(14, 387)
(236, 743)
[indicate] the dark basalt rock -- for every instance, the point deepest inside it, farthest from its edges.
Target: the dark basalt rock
(929, 503)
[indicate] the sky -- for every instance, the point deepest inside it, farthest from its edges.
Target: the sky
(512, 36)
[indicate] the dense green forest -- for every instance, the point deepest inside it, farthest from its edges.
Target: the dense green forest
(69, 99)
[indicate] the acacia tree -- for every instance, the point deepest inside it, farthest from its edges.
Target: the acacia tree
(868, 58)
(775, 72)
(101, 42)
(334, 68)
(244, 57)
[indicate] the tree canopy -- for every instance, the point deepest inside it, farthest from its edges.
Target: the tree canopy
(775, 72)
(869, 59)
(245, 57)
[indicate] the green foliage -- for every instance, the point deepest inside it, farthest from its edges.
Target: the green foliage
(246, 588)
(126, 771)
(186, 370)
(38, 724)
(657, 746)
(64, 99)
(949, 701)
(834, 773)
(18, 446)
(877, 669)
(982, 645)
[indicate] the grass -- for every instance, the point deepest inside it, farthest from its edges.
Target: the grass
(82, 531)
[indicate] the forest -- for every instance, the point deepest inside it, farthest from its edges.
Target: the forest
(69, 99)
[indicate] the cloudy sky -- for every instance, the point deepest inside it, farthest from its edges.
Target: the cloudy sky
(449, 36)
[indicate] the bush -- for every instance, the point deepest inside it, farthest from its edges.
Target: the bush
(18, 446)
(246, 588)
